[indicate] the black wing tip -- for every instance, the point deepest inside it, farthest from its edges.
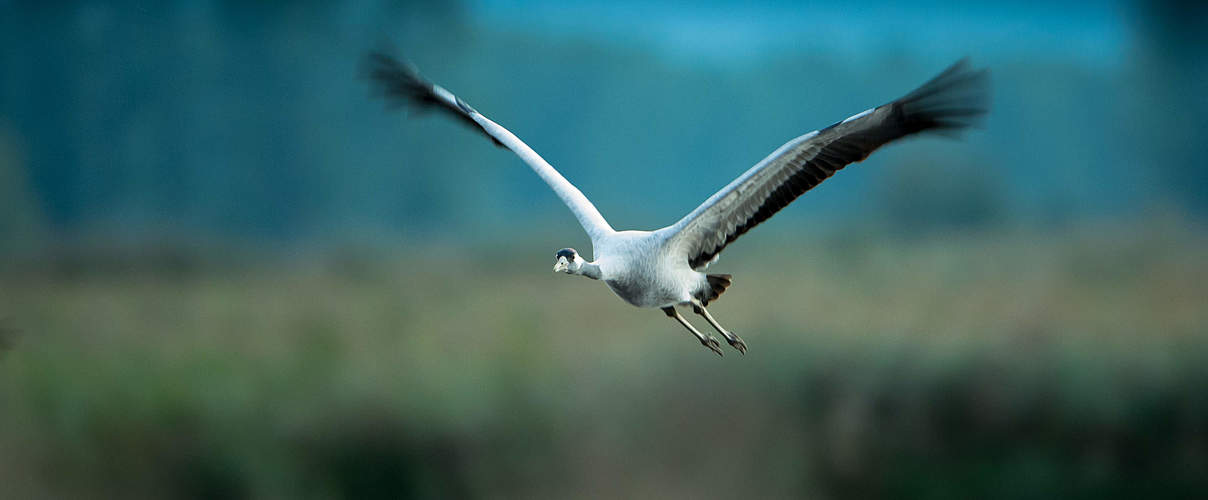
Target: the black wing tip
(397, 81)
(955, 99)
(400, 83)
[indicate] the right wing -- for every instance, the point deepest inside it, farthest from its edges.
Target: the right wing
(402, 84)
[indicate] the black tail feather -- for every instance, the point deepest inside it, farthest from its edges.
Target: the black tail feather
(717, 285)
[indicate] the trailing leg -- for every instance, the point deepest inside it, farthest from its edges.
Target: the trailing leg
(705, 340)
(734, 340)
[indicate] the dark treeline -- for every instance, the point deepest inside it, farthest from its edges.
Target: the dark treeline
(250, 121)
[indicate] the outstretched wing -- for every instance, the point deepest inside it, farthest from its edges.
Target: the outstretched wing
(949, 102)
(402, 84)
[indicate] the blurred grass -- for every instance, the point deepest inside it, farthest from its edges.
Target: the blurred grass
(1008, 365)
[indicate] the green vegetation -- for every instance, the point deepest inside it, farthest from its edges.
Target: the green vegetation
(946, 367)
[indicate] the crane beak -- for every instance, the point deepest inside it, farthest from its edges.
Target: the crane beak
(562, 265)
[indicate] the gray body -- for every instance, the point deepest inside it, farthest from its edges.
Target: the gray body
(643, 269)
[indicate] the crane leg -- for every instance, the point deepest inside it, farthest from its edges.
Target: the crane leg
(705, 340)
(734, 340)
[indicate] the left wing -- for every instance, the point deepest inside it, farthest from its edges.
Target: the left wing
(949, 102)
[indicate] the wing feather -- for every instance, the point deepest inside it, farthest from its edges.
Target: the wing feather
(951, 101)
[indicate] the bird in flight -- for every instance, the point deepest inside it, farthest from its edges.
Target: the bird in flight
(665, 268)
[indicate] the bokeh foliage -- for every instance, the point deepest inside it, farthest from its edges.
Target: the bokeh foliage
(1003, 366)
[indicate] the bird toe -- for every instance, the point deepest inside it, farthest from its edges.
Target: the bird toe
(738, 344)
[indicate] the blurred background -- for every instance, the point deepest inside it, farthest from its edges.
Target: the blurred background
(226, 270)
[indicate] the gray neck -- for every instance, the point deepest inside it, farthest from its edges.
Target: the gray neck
(591, 270)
